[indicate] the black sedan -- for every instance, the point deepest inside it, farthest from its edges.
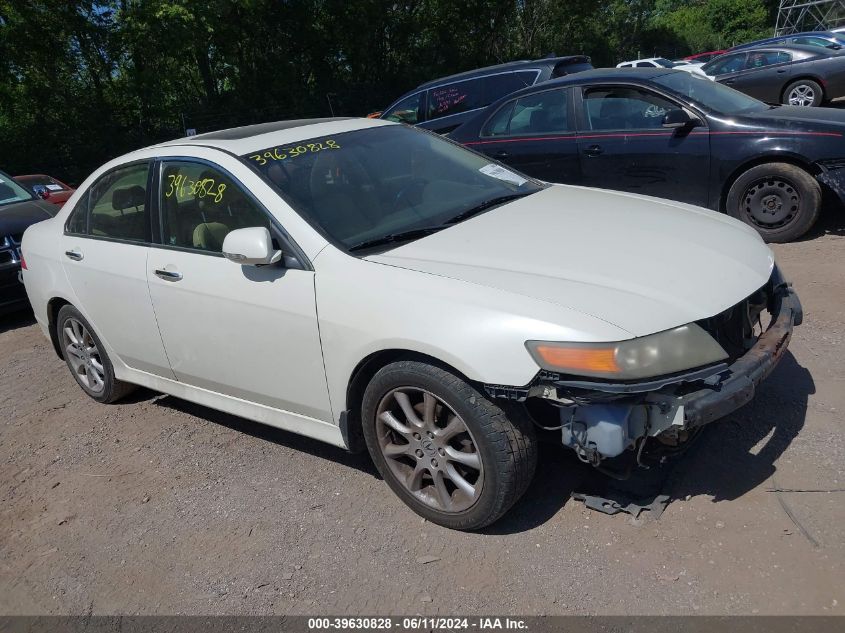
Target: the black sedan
(671, 134)
(18, 209)
(792, 75)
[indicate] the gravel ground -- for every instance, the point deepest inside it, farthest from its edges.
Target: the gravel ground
(159, 506)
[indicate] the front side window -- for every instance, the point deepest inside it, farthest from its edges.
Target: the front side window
(724, 65)
(625, 108)
(539, 113)
(390, 184)
(456, 98)
(201, 204)
(11, 192)
(406, 111)
(118, 204)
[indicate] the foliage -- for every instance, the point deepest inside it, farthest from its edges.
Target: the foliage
(84, 81)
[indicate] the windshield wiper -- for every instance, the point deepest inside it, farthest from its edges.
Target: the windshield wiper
(487, 204)
(401, 236)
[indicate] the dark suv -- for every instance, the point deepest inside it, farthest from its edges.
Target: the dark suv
(18, 209)
(444, 104)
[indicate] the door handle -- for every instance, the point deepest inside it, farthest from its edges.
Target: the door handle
(168, 275)
(594, 150)
(74, 254)
(501, 154)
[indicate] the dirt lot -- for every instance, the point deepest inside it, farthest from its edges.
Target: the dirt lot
(156, 505)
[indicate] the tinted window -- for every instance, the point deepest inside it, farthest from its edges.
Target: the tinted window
(406, 111)
(645, 65)
(201, 204)
(540, 113)
(497, 86)
(364, 185)
(118, 204)
(766, 58)
(709, 94)
(813, 41)
(623, 108)
(726, 64)
(77, 221)
(456, 98)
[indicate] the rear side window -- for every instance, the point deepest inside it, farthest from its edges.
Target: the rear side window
(497, 86)
(766, 58)
(201, 204)
(456, 98)
(540, 113)
(77, 222)
(118, 204)
(406, 111)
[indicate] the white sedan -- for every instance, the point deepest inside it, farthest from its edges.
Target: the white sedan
(376, 286)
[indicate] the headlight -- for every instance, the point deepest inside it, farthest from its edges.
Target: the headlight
(658, 354)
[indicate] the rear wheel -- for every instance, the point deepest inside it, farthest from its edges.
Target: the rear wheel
(780, 200)
(804, 92)
(87, 359)
(451, 454)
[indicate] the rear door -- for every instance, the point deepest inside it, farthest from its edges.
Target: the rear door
(623, 145)
(536, 135)
(104, 250)
(763, 75)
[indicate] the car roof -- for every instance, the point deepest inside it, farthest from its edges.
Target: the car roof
(779, 38)
(791, 48)
(486, 70)
(249, 138)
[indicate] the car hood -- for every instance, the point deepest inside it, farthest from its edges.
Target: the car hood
(15, 217)
(643, 264)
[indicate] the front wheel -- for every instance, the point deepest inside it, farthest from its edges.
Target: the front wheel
(451, 454)
(780, 200)
(804, 92)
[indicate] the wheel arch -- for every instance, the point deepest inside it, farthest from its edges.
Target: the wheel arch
(788, 158)
(350, 422)
(53, 306)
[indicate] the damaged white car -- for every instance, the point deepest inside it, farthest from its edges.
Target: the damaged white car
(376, 286)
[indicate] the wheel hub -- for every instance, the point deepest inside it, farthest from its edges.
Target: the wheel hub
(83, 355)
(771, 203)
(429, 449)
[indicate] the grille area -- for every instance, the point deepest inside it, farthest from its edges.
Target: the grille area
(737, 328)
(10, 250)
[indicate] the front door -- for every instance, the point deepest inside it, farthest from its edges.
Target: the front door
(243, 331)
(534, 134)
(624, 146)
(104, 250)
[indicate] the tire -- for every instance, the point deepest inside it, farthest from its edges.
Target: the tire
(461, 436)
(803, 92)
(87, 359)
(780, 200)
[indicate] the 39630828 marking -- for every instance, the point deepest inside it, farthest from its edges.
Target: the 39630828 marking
(284, 153)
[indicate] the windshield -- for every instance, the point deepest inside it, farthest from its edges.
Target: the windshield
(709, 94)
(390, 184)
(11, 192)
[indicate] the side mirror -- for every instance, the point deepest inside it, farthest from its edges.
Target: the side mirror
(41, 191)
(252, 246)
(675, 119)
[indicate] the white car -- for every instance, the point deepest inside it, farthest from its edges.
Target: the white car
(650, 62)
(374, 285)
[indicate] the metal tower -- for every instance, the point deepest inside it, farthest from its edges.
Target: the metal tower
(809, 15)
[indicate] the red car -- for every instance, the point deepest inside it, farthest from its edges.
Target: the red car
(47, 188)
(704, 57)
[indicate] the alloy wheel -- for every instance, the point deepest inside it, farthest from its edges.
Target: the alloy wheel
(429, 449)
(84, 356)
(771, 203)
(802, 95)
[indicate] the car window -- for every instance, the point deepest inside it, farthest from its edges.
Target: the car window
(625, 66)
(497, 86)
(766, 58)
(77, 222)
(366, 184)
(710, 95)
(118, 204)
(11, 192)
(727, 64)
(812, 41)
(540, 113)
(406, 111)
(200, 204)
(455, 98)
(624, 108)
